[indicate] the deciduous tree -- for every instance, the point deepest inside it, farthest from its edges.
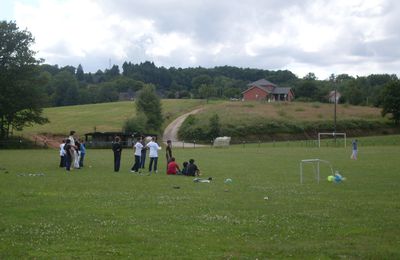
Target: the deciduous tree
(391, 100)
(21, 93)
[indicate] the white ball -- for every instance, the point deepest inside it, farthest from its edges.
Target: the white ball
(228, 180)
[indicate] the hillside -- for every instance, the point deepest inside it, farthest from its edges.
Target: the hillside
(252, 120)
(282, 121)
(100, 117)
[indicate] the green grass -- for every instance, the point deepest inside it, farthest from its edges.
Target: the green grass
(101, 117)
(95, 213)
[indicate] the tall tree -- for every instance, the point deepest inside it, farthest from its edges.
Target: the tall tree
(21, 95)
(391, 100)
(148, 103)
(80, 75)
(66, 89)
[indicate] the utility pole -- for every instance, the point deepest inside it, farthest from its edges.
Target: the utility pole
(335, 101)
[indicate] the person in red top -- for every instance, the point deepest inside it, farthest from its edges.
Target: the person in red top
(173, 167)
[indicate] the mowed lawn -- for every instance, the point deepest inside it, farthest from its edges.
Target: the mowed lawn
(264, 213)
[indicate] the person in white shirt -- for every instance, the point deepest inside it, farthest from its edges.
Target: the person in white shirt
(153, 154)
(62, 154)
(138, 152)
(74, 153)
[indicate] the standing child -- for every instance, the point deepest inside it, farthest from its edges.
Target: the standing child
(138, 152)
(117, 149)
(82, 152)
(168, 151)
(355, 150)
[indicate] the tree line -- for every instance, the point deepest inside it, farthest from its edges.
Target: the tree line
(71, 85)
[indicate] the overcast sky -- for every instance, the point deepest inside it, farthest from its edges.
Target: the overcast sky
(357, 37)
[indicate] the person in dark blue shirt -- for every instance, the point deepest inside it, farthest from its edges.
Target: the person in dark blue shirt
(117, 149)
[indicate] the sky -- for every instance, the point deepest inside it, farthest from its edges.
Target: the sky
(356, 37)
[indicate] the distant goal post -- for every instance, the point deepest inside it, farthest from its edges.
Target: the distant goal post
(333, 134)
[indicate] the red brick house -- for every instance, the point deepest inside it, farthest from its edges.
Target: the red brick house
(264, 90)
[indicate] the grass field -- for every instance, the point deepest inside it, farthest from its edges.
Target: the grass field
(95, 213)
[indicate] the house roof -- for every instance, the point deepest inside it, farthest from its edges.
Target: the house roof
(275, 90)
(279, 90)
(262, 83)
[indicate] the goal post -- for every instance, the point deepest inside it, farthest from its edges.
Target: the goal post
(333, 134)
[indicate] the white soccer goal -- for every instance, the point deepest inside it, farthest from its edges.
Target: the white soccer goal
(222, 141)
(316, 165)
(334, 135)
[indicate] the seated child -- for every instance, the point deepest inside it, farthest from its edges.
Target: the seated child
(192, 169)
(173, 167)
(184, 169)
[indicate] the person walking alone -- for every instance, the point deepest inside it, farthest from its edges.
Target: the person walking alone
(355, 150)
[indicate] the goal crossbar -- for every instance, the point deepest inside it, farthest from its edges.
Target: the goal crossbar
(333, 134)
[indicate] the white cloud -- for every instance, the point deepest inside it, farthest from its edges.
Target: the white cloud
(342, 36)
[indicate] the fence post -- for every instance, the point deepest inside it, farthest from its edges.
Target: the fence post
(183, 144)
(194, 143)
(244, 142)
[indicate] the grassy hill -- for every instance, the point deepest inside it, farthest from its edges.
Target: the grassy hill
(101, 117)
(252, 120)
(295, 120)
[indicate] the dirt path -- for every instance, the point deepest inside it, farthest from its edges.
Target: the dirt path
(171, 131)
(50, 141)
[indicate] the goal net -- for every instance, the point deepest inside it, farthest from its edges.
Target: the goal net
(332, 137)
(222, 141)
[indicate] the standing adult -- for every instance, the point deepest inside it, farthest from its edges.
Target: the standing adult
(71, 138)
(153, 154)
(77, 154)
(355, 149)
(138, 152)
(62, 154)
(143, 154)
(117, 149)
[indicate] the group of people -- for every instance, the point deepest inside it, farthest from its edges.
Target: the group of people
(72, 152)
(140, 147)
